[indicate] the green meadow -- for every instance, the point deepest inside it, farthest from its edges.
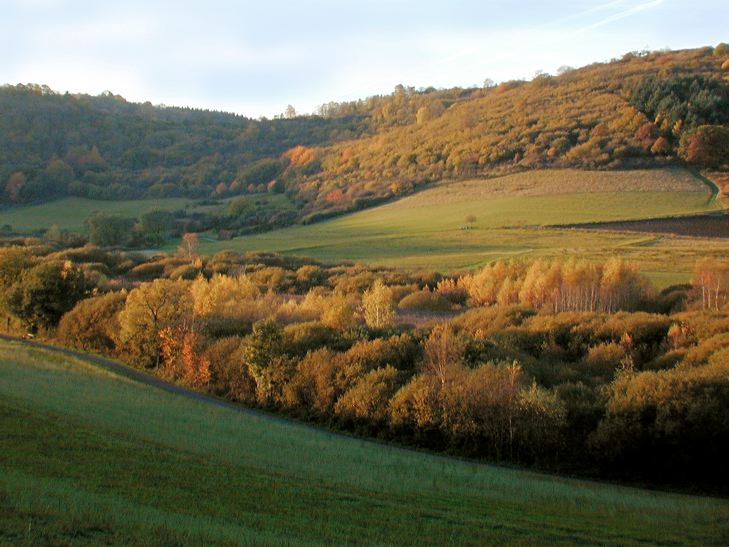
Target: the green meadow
(70, 213)
(90, 457)
(435, 228)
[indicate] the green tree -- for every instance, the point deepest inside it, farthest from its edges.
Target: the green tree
(13, 260)
(45, 292)
(109, 230)
(58, 175)
(240, 207)
(267, 363)
(156, 225)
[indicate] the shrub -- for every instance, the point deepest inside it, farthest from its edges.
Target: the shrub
(93, 324)
(367, 401)
(603, 359)
(300, 338)
(425, 300)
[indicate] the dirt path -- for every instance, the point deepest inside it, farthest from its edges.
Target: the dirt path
(715, 190)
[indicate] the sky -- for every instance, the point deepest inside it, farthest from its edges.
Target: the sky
(257, 57)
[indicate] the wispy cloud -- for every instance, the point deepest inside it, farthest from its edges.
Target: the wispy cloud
(633, 10)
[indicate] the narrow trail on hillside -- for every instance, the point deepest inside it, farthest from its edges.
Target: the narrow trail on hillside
(715, 190)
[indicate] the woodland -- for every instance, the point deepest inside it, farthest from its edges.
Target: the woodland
(572, 367)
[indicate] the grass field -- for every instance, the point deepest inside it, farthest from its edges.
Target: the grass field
(90, 457)
(426, 230)
(70, 213)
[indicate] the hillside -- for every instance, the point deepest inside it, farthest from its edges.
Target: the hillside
(98, 458)
(644, 110)
(471, 223)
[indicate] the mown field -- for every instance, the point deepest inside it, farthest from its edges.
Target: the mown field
(91, 457)
(70, 213)
(431, 229)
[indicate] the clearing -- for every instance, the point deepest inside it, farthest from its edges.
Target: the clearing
(70, 213)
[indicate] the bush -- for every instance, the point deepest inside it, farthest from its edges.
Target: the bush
(229, 374)
(367, 401)
(602, 360)
(93, 324)
(186, 271)
(425, 301)
(301, 338)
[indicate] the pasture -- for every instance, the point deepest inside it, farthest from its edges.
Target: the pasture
(432, 229)
(70, 213)
(91, 457)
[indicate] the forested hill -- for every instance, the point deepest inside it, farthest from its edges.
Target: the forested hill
(645, 109)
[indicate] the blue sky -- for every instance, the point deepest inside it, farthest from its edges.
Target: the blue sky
(254, 58)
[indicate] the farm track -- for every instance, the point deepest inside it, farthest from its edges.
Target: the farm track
(715, 190)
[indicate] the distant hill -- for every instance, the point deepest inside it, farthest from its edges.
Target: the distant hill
(643, 110)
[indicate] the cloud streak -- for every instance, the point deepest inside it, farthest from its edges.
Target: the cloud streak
(619, 16)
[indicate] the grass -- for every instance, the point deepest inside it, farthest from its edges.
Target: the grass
(426, 230)
(70, 213)
(90, 457)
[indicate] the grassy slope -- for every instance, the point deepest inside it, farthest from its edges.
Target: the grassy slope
(96, 458)
(424, 230)
(70, 213)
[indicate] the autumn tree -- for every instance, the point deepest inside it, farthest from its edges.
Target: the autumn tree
(711, 277)
(443, 351)
(150, 308)
(189, 245)
(708, 145)
(367, 401)
(378, 306)
(15, 185)
(182, 358)
(93, 324)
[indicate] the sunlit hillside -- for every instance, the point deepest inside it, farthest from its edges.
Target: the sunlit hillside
(467, 224)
